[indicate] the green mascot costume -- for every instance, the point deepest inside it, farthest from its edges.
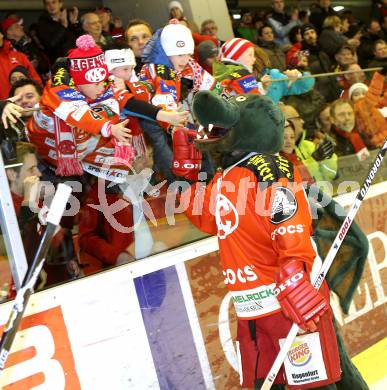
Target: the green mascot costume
(269, 243)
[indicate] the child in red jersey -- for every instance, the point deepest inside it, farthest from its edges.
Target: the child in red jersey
(79, 126)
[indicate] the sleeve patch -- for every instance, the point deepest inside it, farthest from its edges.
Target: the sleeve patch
(284, 205)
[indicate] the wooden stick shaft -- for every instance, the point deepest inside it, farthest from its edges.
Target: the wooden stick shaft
(317, 75)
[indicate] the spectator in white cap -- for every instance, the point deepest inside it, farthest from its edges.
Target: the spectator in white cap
(121, 63)
(169, 53)
(357, 91)
(173, 77)
(176, 10)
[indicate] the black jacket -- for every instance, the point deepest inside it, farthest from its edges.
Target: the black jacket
(318, 16)
(56, 39)
(319, 62)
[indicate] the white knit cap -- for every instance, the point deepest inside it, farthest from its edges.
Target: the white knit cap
(176, 39)
(175, 4)
(119, 57)
(356, 86)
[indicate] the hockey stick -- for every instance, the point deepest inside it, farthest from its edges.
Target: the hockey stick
(318, 280)
(328, 74)
(54, 216)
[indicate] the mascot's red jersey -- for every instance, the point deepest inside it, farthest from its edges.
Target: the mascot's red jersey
(261, 215)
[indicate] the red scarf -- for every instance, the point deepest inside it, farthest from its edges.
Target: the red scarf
(302, 169)
(353, 137)
(66, 149)
(192, 71)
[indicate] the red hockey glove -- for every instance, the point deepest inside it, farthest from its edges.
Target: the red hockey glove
(186, 158)
(299, 300)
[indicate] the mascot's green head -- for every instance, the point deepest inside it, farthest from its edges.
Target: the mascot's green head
(252, 123)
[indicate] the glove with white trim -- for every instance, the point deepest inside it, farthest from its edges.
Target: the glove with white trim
(299, 300)
(186, 158)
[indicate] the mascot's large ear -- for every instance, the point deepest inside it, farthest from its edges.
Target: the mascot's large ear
(210, 108)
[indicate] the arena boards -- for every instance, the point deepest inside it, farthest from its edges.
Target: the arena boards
(166, 322)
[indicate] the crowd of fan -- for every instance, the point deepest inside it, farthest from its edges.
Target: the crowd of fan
(326, 117)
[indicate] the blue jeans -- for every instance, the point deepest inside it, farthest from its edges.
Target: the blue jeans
(162, 152)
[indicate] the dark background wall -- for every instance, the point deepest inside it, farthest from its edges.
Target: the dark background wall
(30, 9)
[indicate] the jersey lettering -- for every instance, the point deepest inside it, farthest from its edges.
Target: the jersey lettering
(288, 283)
(242, 276)
(291, 229)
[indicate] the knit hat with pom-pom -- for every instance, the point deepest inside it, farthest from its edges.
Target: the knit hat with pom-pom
(87, 62)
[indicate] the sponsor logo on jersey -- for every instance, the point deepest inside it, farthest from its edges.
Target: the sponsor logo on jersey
(239, 275)
(50, 142)
(70, 94)
(291, 229)
(104, 160)
(52, 154)
(299, 354)
(268, 169)
(105, 150)
(254, 296)
(165, 88)
(284, 205)
(247, 84)
(226, 216)
(62, 76)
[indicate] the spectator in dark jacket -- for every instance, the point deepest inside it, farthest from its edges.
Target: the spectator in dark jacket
(273, 50)
(320, 12)
(372, 34)
(57, 29)
(18, 73)
(331, 39)
(380, 54)
(14, 31)
(319, 62)
(345, 56)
